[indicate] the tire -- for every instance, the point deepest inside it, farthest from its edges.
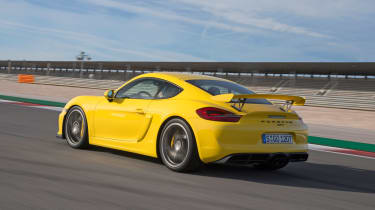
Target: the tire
(177, 147)
(75, 128)
(277, 162)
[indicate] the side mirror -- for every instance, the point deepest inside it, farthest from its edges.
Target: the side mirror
(109, 95)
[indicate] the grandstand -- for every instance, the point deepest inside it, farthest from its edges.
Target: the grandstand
(339, 85)
(325, 92)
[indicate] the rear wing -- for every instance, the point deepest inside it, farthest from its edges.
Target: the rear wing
(289, 100)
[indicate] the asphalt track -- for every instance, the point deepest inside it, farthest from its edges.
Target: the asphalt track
(38, 171)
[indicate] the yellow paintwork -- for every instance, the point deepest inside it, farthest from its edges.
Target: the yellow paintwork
(133, 124)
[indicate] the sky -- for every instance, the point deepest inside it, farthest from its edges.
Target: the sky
(189, 30)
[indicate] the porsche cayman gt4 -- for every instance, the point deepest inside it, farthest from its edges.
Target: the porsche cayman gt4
(188, 119)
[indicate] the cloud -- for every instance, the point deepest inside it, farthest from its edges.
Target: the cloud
(302, 8)
(236, 21)
(188, 30)
(95, 44)
(250, 13)
(165, 15)
(50, 31)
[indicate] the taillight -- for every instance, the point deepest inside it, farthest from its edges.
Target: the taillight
(216, 114)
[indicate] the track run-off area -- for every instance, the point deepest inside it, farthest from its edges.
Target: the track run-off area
(38, 171)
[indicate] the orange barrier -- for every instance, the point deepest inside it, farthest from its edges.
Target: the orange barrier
(25, 78)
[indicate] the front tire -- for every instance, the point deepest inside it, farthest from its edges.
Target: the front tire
(76, 128)
(177, 147)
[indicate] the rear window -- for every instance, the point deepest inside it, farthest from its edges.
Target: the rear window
(217, 87)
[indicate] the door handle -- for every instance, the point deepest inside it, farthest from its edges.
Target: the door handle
(139, 111)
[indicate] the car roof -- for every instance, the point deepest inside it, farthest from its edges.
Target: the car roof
(182, 76)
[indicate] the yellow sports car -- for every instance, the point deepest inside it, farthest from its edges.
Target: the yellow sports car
(188, 119)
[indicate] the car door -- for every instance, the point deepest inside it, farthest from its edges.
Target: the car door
(125, 118)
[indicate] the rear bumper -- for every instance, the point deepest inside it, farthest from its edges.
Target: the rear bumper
(246, 159)
(218, 140)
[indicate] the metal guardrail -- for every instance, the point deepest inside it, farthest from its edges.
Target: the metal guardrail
(364, 69)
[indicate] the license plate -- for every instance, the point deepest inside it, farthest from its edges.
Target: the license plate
(277, 139)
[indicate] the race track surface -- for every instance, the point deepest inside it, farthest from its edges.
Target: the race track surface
(38, 171)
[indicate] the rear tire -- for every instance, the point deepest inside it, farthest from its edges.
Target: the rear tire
(76, 128)
(177, 147)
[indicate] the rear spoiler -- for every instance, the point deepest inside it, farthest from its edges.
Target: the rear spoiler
(289, 100)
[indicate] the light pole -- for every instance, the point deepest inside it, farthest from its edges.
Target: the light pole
(82, 57)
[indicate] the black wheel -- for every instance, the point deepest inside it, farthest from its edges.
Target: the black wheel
(275, 163)
(76, 128)
(177, 147)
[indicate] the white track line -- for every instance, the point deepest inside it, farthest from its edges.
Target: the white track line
(58, 109)
(339, 153)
